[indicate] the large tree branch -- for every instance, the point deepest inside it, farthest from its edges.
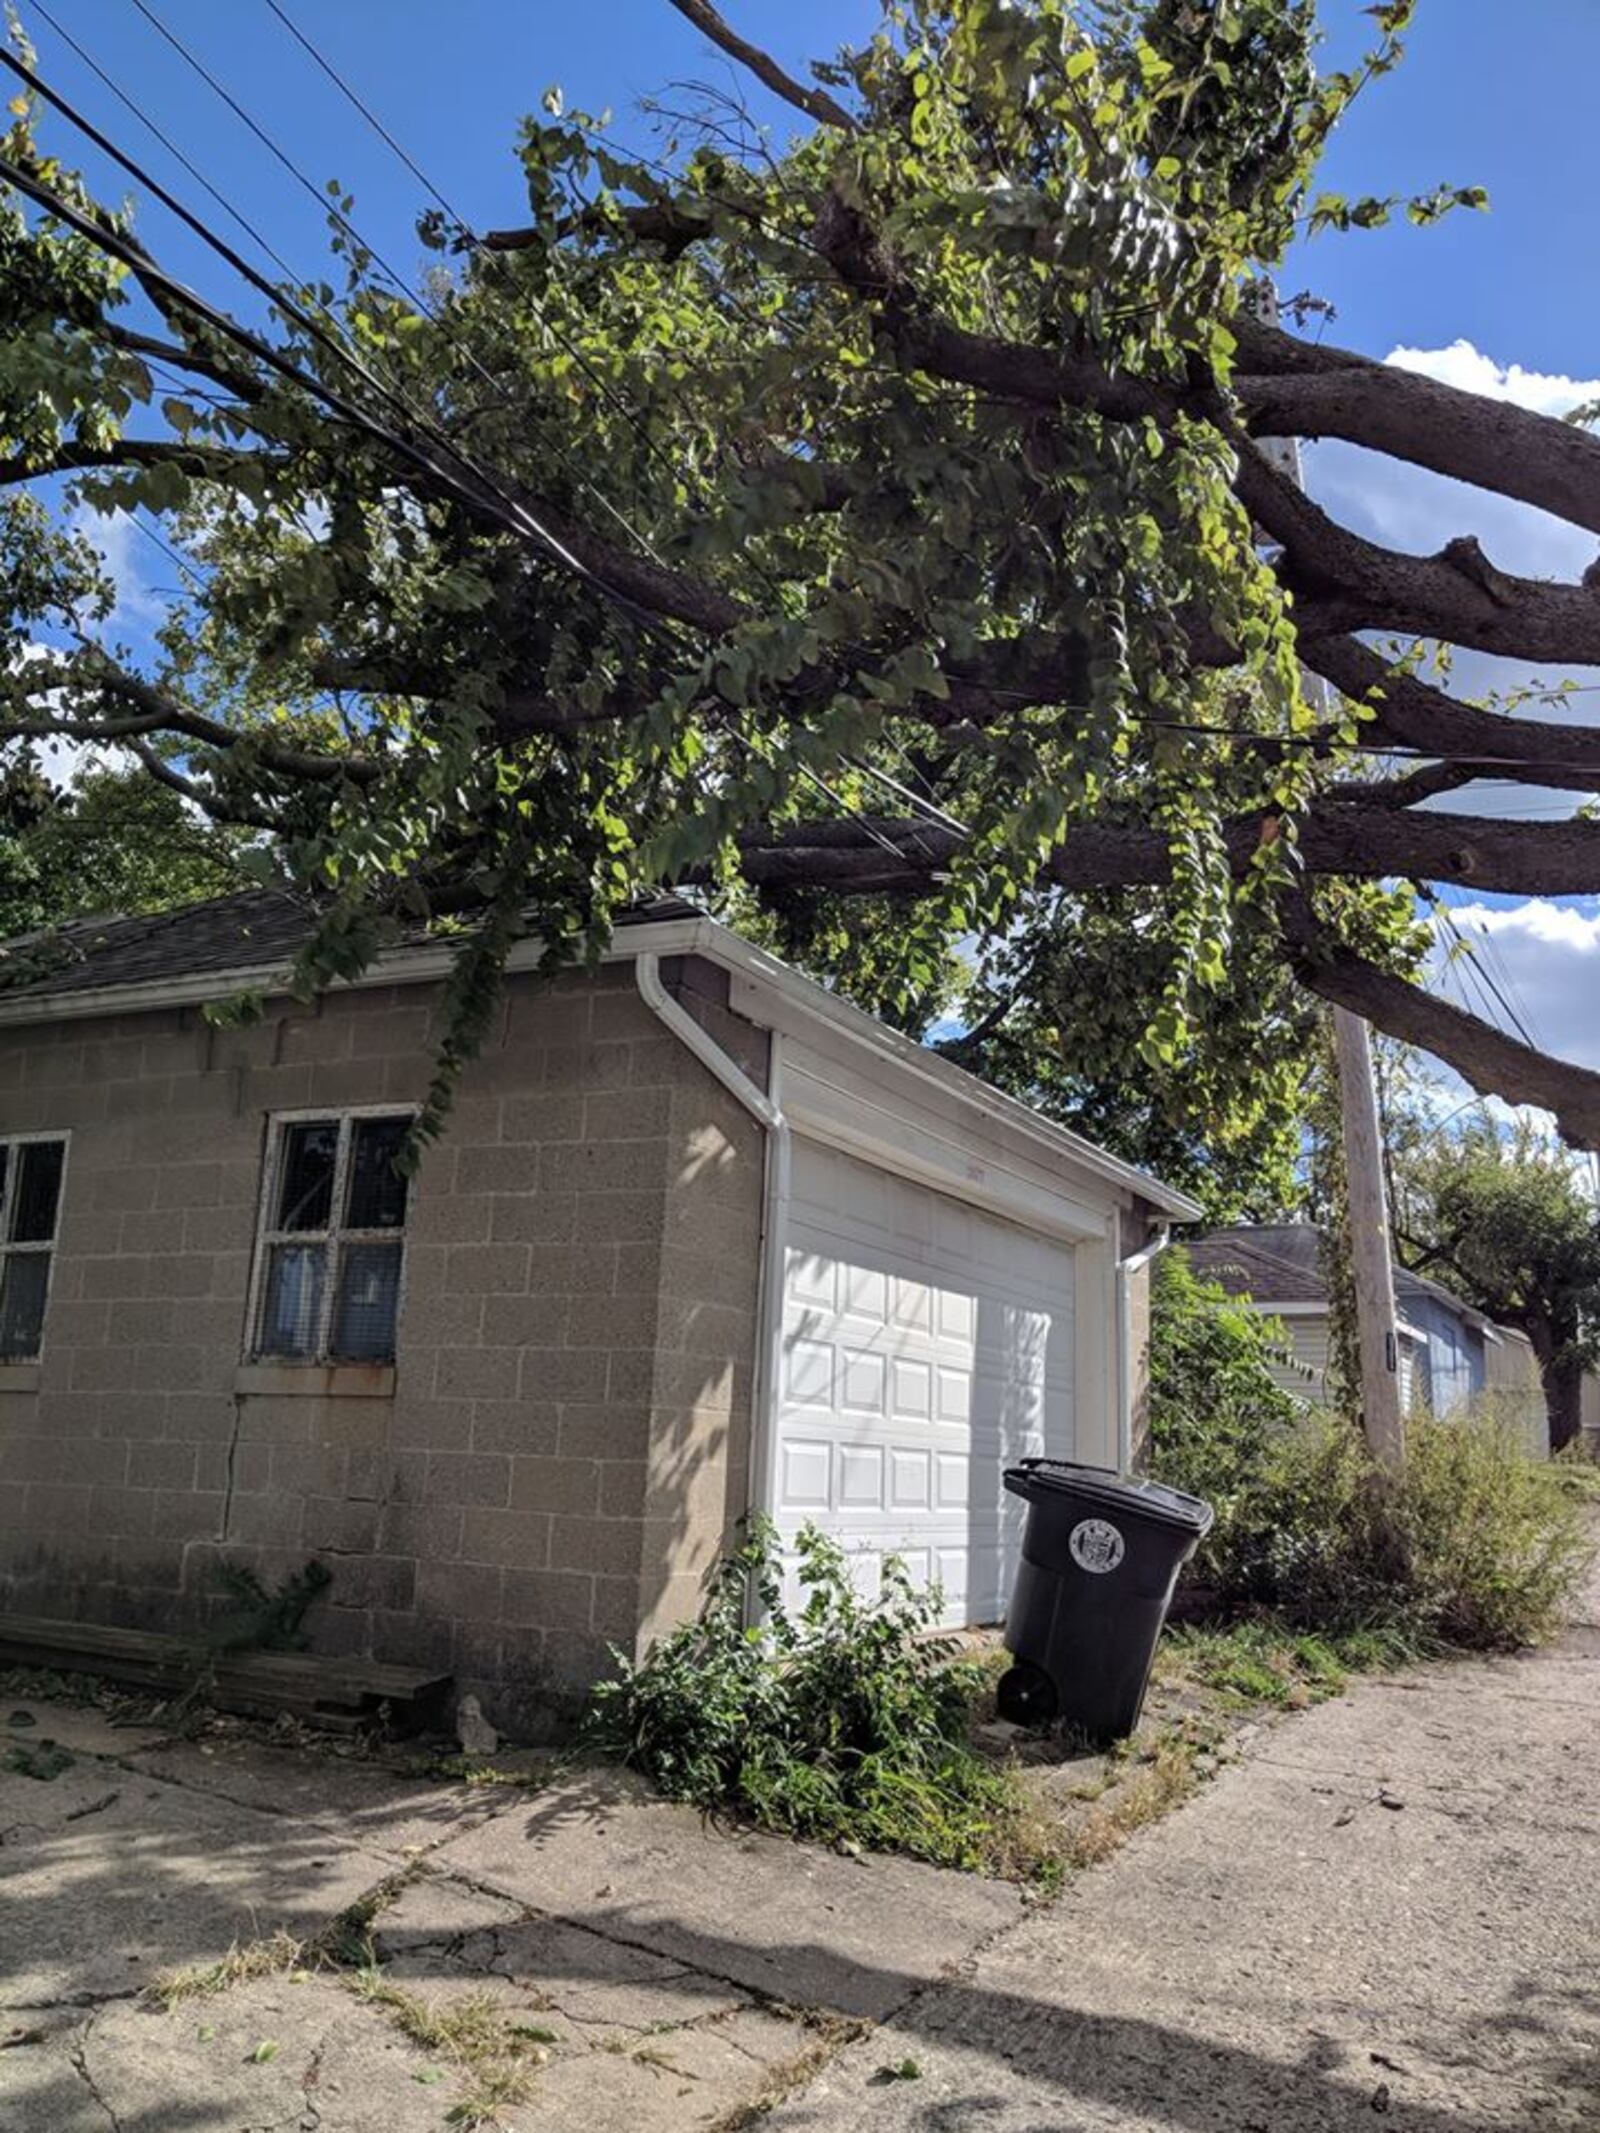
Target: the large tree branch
(209, 462)
(1291, 389)
(817, 104)
(216, 806)
(1342, 582)
(41, 684)
(1349, 839)
(1493, 1063)
(1411, 713)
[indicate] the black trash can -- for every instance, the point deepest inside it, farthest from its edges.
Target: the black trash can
(1101, 1553)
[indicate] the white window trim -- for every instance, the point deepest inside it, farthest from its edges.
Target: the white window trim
(334, 1238)
(36, 1245)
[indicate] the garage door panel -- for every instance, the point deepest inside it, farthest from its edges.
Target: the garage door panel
(927, 1345)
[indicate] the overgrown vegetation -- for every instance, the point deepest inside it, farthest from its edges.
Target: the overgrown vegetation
(845, 1720)
(1477, 1545)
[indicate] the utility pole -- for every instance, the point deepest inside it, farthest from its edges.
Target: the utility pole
(1377, 1331)
(1377, 1328)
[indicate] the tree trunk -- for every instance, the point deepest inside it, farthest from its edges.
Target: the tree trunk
(1561, 1376)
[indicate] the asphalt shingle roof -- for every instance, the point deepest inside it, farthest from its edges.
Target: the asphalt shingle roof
(1276, 1263)
(256, 929)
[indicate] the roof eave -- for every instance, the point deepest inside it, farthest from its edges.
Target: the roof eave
(429, 962)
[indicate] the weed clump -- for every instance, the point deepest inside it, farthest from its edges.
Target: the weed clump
(844, 1720)
(1476, 1545)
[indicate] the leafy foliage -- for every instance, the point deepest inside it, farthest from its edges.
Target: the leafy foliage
(1060, 1009)
(110, 841)
(1509, 1221)
(265, 1618)
(1215, 1408)
(844, 1721)
(646, 537)
(1478, 1545)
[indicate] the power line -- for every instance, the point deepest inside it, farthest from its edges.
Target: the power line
(313, 191)
(602, 385)
(166, 140)
(514, 517)
(367, 113)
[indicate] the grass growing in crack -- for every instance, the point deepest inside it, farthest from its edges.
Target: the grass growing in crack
(495, 2058)
(345, 1942)
(1153, 1788)
(279, 1953)
(829, 2036)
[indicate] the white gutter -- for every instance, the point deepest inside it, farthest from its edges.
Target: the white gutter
(1134, 1264)
(765, 1107)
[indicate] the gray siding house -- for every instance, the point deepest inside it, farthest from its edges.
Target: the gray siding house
(1451, 1355)
(700, 1238)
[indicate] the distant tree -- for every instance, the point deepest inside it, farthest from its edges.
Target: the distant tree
(111, 840)
(1508, 1221)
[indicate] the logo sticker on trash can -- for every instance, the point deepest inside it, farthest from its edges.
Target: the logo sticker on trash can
(1096, 1545)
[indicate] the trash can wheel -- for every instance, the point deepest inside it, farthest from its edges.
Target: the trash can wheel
(1026, 1696)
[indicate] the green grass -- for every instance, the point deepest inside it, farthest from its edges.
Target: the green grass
(1260, 1660)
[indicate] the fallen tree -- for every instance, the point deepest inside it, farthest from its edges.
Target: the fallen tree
(888, 517)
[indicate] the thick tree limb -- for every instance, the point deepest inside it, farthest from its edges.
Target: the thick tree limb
(1343, 582)
(1411, 713)
(1426, 783)
(209, 462)
(1493, 1063)
(1354, 840)
(1291, 389)
(153, 711)
(815, 103)
(211, 804)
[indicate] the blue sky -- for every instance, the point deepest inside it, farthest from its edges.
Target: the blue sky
(1478, 101)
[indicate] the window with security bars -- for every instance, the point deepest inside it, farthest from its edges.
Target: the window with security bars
(332, 1235)
(30, 1201)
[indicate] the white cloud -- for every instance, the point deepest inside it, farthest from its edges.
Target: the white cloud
(1544, 957)
(116, 538)
(1544, 392)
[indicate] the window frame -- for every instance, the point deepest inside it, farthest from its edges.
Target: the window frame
(34, 1246)
(333, 1239)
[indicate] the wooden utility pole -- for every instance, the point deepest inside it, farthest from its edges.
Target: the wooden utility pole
(1377, 1331)
(1377, 1327)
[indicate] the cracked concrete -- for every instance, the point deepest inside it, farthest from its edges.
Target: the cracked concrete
(1387, 1911)
(633, 1942)
(1386, 1905)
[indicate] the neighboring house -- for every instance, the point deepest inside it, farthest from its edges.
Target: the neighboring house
(699, 1237)
(1444, 1343)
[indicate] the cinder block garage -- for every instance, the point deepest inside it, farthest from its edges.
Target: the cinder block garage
(700, 1238)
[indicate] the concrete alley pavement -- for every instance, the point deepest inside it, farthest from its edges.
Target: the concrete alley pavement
(1387, 1914)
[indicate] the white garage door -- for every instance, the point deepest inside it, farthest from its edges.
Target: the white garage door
(926, 1346)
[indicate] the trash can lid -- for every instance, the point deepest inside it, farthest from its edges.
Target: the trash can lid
(1128, 1494)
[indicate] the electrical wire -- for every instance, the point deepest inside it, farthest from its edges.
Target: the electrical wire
(406, 288)
(614, 399)
(513, 517)
(522, 520)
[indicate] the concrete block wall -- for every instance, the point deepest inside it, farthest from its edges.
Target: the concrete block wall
(557, 1453)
